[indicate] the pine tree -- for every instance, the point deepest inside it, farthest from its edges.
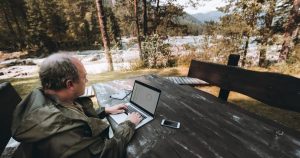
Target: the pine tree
(238, 26)
(291, 31)
(145, 18)
(45, 26)
(13, 24)
(124, 12)
(113, 27)
(136, 3)
(266, 31)
(105, 39)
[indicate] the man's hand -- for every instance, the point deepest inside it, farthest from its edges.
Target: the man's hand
(120, 108)
(135, 118)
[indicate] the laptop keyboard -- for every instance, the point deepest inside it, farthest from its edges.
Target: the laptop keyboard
(130, 110)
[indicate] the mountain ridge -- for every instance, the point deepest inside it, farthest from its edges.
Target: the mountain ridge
(209, 16)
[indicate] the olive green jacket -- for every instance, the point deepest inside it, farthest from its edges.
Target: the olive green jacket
(47, 129)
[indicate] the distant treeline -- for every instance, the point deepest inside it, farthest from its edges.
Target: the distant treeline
(47, 26)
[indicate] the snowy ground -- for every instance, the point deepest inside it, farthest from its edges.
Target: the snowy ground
(95, 62)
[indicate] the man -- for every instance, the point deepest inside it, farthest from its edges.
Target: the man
(54, 122)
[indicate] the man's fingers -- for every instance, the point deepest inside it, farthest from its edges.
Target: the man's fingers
(137, 114)
(123, 106)
(118, 111)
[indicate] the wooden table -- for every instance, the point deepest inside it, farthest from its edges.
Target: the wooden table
(210, 127)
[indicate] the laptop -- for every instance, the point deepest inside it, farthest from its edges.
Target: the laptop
(144, 100)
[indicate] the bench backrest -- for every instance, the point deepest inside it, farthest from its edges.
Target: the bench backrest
(233, 60)
(274, 89)
(9, 98)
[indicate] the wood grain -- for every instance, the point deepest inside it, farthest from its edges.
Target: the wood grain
(274, 89)
(210, 127)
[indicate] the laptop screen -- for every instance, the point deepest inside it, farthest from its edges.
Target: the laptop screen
(145, 96)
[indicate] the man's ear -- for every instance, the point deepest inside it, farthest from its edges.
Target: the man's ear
(69, 84)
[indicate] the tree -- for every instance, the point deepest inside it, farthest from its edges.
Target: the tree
(291, 31)
(228, 37)
(168, 20)
(82, 26)
(156, 16)
(145, 18)
(238, 26)
(43, 29)
(13, 24)
(161, 19)
(124, 12)
(113, 27)
(105, 39)
(266, 30)
(137, 27)
(8, 21)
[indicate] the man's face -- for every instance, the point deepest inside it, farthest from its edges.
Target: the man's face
(79, 87)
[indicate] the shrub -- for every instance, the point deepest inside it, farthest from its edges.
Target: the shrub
(136, 65)
(156, 53)
(186, 59)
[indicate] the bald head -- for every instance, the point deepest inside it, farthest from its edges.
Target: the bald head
(57, 69)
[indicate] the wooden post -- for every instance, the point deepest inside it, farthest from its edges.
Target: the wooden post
(233, 60)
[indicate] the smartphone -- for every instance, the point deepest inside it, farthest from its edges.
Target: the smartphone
(169, 123)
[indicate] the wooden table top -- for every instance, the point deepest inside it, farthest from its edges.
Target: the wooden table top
(210, 127)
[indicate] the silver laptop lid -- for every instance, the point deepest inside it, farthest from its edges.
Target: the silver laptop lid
(145, 97)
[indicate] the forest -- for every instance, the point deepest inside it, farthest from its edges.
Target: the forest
(43, 27)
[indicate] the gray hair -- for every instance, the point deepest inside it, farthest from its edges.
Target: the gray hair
(56, 70)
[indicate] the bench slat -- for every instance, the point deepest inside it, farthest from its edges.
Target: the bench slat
(274, 89)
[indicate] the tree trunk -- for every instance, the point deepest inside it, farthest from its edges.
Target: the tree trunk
(137, 27)
(103, 30)
(5, 13)
(262, 55)
(145, 17)
(156, 18)
(291, 31)
(266, 33)
(18, 43)
(9, 25)
(20, 32)
(245, 51)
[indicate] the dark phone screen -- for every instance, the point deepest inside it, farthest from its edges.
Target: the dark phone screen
(170, 123)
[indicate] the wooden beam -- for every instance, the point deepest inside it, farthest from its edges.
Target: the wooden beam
(274, 89)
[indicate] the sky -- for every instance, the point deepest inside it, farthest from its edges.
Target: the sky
(204, 8)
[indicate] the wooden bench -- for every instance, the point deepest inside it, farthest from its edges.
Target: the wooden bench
(9, 99)
(282, 91)
(191, 80)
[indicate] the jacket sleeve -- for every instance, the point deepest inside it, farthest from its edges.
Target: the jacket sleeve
(87, 105)
(125, 131)
(101, 112)
(117, 145)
